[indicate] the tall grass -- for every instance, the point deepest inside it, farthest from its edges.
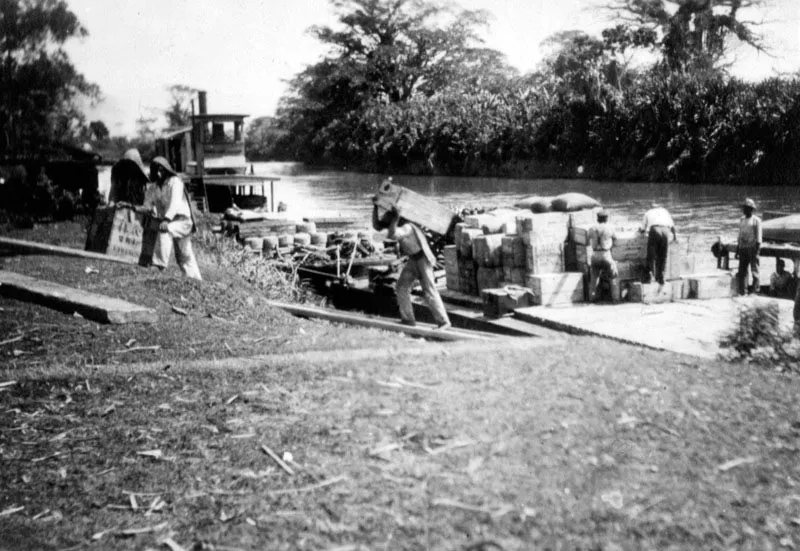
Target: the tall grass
(277, 280)
(759, 338)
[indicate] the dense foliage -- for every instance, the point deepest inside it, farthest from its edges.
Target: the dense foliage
(680, 119)
(39, 86)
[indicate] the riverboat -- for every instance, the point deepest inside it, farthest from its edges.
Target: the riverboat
(210, 155)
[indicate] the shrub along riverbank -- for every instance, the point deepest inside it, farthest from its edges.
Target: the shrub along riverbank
(656, 128)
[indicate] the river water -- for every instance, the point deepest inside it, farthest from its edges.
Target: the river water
(705, 211)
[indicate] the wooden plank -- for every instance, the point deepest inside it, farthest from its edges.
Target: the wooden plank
(92, 306)
(420, 330)
(31, 247)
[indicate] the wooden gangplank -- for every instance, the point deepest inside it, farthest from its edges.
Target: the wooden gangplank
(93, 306)
(31, 247)
(692, 327)
(420, 330)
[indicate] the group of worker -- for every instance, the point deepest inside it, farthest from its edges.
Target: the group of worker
(659, 227)
(162, 194)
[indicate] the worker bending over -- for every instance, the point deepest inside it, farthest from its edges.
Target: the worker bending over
(168, 200)
(419, 266)
(657, 226)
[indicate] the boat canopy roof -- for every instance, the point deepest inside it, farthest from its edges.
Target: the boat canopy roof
(219, 117)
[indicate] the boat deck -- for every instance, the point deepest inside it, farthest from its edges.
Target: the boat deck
(691, 327)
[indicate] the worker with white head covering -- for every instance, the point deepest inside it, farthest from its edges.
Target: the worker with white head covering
(128, 180)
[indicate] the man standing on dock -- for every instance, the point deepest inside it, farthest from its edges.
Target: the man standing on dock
(748, 247)
(603, 266)
(657, 226)
(168, 200)
(419, 266)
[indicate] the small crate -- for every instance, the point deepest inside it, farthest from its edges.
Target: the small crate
(708, 286)
(560, 289)
(500, 302)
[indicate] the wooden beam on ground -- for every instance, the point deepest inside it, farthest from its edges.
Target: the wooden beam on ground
(31, 247)
(366, 321)
(91, 306)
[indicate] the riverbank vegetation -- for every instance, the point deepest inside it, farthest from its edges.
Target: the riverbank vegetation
(401, 91)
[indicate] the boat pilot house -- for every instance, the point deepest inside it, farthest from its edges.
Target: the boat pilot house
(210, 153)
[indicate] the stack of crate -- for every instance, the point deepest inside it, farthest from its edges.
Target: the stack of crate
(514, 248)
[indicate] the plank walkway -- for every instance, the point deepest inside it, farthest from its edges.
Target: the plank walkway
(691, 327)
(31, 247)
(92, 306)
(420, 330)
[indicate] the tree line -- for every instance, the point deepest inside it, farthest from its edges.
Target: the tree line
(409, 87)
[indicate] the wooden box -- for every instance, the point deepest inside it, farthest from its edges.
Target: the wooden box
(465, 241)
(708, 286)
(544, 258)
(489, 278)
(414, 207)
(123, 233)
(487, 250)
(586, 217)
(653, 293)
(548, 227)
(500, 302)
(556, 289)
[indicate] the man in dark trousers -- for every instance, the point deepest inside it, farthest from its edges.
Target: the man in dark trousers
(658, 226)
(748, 247)
(419, 266)
(602, 238)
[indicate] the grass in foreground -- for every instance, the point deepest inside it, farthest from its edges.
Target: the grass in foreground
(585, 445)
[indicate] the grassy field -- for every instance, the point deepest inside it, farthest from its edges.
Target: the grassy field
(385, 442)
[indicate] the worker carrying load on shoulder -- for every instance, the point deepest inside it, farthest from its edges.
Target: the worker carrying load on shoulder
(419, 266)
(657, 225)
(748, 247)
(602, 238)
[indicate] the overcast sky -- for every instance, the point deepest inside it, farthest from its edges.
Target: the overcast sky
(243, 51)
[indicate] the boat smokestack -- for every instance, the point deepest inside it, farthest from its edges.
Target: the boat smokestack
(201, 102)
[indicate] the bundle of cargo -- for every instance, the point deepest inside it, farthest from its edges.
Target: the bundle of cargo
(502, 301)
(414, 207)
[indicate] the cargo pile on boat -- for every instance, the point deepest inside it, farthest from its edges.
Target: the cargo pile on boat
(497, 254)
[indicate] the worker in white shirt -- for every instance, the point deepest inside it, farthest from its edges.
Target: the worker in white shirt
(168, 201)
(419, 266)
(748, 247)
(657, 225)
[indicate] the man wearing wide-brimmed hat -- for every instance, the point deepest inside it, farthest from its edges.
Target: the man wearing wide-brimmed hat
(128, 180)
(748, 247)
(169, 201)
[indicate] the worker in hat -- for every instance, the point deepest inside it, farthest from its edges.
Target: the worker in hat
(658, 226)
(169, 202)
(602, 238)
(128, 180)
(418, 266)
(748, 247)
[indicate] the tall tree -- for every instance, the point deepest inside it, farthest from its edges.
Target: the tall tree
(179, 112)
(693, 35)
(388, 51)
(39, 86)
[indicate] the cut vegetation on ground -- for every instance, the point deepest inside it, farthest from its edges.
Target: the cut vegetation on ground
(231, 425)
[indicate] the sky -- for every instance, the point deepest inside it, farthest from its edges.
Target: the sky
(242, 52)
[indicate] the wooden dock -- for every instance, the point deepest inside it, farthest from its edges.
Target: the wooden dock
(691, 327)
